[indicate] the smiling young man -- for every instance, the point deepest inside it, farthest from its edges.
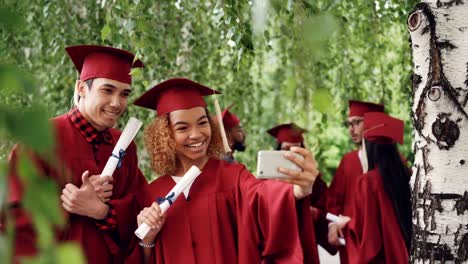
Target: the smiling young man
(100, 210)
(340, 195)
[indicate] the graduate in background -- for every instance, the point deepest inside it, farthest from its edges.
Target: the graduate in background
(380, 230)
(291, 135)
(100, 217)
(287, 136)
(226, 215)
(340, 193)
(234, 132)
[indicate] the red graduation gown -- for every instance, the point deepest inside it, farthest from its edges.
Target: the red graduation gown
(374, 235)
(341, 191)
(230, 217)
(76, 156)
(318, 200)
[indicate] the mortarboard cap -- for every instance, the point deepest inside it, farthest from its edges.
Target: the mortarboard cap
(174, 94)
(358, 108)
(230, 120)
(382, 128)
(287, 133)
(94, 61)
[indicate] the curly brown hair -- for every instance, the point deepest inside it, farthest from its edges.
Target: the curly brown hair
(160, 144)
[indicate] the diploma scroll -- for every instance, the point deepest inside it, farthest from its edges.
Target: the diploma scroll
(333, 218)
(128, 134)
(170, 198)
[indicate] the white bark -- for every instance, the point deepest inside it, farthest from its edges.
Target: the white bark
(439, 37)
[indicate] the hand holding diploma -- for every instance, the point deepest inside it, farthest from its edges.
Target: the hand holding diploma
(335, 235)
(89, 199)
(128, 134)
(166, 202)
(102, 186)
(154, 218)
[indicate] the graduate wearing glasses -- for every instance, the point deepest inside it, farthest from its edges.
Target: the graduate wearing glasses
(340, 193)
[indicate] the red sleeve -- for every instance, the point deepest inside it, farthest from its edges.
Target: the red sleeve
(25, 237)
(129, 206)
(272, 207)
(307, 230)
(121, 222)
(134, 253)
(15, 188)
(365, 233)
(110, 222)
(337, 191)
(318, 200)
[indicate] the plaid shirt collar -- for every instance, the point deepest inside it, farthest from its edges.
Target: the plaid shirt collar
(91, 134)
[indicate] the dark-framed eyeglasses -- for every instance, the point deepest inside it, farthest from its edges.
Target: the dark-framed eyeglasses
(353, 123)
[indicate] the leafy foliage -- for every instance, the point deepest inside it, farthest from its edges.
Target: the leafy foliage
(25, 120)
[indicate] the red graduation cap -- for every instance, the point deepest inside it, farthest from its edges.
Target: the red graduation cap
(359, 108)
(174, 94)
(287, 133)
(382, 128)
(94, 61)
(230, 120)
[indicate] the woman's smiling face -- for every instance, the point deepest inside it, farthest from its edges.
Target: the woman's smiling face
(192, 133)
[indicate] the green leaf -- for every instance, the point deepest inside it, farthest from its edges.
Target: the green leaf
(317, 31)
(70, 253)
(30, 126)
(14, 80)
(266, 34)
(136, 72)
(290, 87)
(239, 54)
(41, 195)
(11, 20)
(247, 42)
(322, 100)
(105, 32)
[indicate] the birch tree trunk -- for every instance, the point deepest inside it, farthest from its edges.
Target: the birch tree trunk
(439, 41)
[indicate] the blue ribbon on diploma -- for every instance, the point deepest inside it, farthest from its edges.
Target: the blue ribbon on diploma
(119, 157)
(168, 198)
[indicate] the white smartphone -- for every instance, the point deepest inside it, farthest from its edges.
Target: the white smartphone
(269, 161)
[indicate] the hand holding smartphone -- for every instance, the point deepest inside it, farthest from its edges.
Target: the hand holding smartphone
(269, 161)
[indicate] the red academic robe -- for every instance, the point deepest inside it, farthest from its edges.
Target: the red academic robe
(231, 217)
(341, 192)
(374, 234)
(318, 200)
(76, 155)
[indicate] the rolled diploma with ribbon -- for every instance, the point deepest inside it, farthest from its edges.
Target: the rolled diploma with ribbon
(128, 134)
(170, 198)
(333, 218)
